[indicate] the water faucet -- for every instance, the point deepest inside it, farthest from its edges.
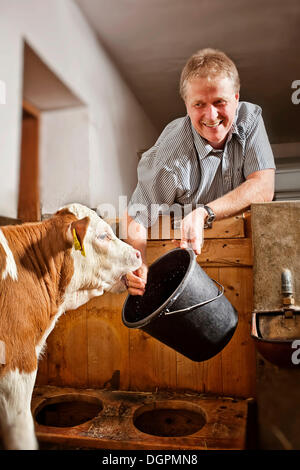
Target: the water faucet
(287, 292)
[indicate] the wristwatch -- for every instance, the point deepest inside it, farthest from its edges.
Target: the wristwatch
(210, 217)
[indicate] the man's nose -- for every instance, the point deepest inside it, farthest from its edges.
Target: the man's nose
(211, 113)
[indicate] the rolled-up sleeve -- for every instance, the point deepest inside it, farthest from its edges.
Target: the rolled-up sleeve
(157, 185)
(258, 151)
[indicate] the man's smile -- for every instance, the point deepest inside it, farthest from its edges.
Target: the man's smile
(214, 124)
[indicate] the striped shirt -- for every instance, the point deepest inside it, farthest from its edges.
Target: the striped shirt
(183, 168)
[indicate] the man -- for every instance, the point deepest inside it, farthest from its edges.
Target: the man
(218, 157)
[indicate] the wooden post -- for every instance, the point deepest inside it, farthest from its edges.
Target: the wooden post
(29, 197)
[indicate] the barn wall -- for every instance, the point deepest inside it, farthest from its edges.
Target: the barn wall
(117, 125)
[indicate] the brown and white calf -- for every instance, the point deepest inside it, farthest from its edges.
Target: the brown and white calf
(47, 268)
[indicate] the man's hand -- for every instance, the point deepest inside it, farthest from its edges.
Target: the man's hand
(192, 230)
(136, 281)
(136, 237)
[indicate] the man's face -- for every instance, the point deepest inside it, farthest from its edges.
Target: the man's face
(211, 105)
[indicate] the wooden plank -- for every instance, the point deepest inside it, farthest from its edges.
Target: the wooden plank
(42, 377)
(29, 198)
(233, 227)
(107, 343)
(235, 252)
(152, 364)
(200, 376)
(190, 374)
(89, 346)
(67, 345)
(227, 252)
(238, 357)
(247, 224)
(223, 421)
(212, 369)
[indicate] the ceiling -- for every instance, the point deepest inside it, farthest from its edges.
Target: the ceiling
(150, 41)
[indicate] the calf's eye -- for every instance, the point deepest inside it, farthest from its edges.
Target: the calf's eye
(102, 236)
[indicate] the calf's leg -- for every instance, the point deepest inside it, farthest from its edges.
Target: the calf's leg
(17, 426)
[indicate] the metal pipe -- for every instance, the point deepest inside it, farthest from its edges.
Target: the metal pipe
(287, 293)
(286, 282)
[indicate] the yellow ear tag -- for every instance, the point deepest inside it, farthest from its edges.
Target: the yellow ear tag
(77, 244)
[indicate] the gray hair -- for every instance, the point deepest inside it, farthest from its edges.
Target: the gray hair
(209, 63)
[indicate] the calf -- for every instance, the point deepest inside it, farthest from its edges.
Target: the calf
(47, 268)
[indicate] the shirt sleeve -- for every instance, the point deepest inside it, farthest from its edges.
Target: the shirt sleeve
(258, 151)
(157, 185)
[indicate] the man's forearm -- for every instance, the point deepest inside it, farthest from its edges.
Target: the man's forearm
(242, 197)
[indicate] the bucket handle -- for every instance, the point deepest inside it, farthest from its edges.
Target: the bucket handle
(189, 309)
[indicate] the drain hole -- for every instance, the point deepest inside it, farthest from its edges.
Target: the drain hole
(68, 410)
(169, 420)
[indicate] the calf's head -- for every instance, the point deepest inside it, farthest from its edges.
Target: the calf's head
(101, 260)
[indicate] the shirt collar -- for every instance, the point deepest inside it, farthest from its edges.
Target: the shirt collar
(202, 146)
(234, 127)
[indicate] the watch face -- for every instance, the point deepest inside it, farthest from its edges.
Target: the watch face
(211, 216)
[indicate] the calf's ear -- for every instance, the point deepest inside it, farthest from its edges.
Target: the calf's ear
(76, 233)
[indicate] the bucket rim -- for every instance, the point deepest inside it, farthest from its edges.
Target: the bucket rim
(171, 299)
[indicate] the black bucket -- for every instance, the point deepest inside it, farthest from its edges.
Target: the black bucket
(182, 307)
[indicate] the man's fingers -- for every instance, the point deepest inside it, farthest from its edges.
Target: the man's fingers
(131, 277)
(133, 291)
(136, 281)
(184, 244)
(142, 272)
(136, 285)
(196, 246)
(185, 239)
(191, 231)
(194, 243)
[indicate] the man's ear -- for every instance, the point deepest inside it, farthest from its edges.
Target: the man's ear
(76, 233)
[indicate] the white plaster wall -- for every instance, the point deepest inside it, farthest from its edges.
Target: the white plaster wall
(64, 158)
(117, 125)
(10, 115)
(287, 178)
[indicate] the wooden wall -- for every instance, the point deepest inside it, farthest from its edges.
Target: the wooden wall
(90, 347)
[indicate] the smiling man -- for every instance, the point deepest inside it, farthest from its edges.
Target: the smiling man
(211, 105)
(217, 159)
